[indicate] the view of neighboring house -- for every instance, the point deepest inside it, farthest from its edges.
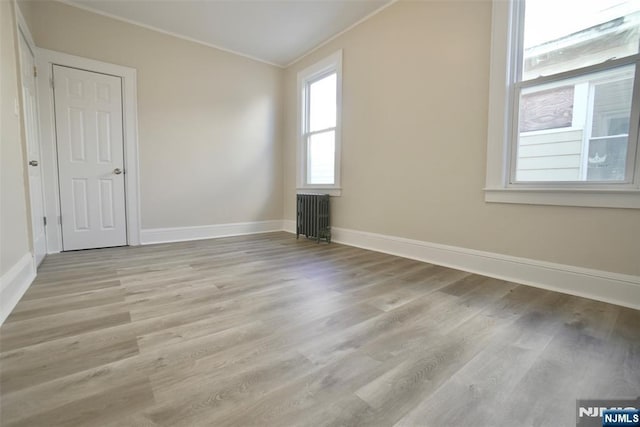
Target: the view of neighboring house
(576, 129)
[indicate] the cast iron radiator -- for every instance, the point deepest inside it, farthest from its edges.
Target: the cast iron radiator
(312, 218)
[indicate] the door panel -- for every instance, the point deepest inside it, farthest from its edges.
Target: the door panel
(89, 133)
(36, 197)
(106, 203)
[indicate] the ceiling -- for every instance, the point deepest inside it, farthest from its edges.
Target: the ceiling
(277, 32)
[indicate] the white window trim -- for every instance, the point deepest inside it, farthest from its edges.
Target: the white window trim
(327, 65)
(504, 37)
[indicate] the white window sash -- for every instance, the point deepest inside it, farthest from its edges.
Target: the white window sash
(315, 132)
(568, 75)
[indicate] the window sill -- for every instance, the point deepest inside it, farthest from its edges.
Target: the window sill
(333, 191)
(629, 198)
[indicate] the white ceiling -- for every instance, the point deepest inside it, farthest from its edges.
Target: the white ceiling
(277, 32)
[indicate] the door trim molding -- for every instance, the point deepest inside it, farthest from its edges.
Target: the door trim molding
(25, 33)
(45, 60)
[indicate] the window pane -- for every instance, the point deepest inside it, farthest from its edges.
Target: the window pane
(611, 107)
(322, 103)
(576, 129)
(610, 130)
(569, 34)
(321, 150)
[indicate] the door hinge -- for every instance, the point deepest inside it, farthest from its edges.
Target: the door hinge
(60, 220)
(51, 83)
(35, 71)
(45, 221)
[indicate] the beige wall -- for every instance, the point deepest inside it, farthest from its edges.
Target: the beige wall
(209, 121)
(415, 90)
(414, 137)
(14, 231)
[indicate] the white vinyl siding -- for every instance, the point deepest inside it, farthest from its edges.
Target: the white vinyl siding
(557, 154)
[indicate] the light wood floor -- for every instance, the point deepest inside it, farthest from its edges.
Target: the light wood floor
(268, 331)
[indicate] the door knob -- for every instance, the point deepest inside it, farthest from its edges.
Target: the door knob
(33, 163)
(117, 171)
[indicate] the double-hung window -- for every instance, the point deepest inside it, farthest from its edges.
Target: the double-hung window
(319, 90)
(565, 103)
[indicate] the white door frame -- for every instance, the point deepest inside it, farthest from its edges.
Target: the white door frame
(45, 60)
(23, 31)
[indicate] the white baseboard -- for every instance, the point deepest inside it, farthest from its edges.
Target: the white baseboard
(289, 225)
(614, 288)
(14, 283)
(181, 234)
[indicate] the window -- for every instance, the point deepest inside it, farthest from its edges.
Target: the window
(564, 103)
(319, 89)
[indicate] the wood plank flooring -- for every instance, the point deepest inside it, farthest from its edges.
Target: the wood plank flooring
(267, 330)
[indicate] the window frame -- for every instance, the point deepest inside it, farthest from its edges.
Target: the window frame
(505, 67)
(329, 65)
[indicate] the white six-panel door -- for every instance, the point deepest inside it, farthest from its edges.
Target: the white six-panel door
(89, 133)
(27, 69)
